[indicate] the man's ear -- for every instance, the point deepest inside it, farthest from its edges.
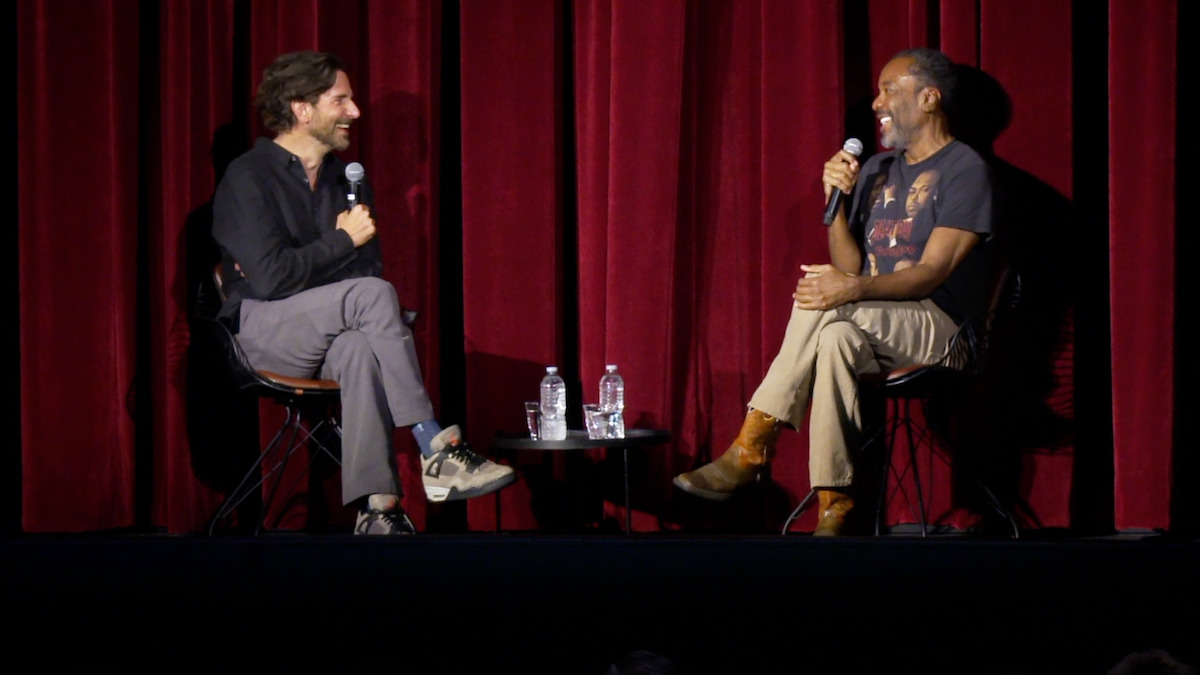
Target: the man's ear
(302, 111)
(929, 99)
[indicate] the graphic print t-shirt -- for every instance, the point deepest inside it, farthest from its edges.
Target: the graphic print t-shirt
(897, 205)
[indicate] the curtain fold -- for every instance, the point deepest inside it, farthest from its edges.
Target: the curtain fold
(804, 118)
(1034, 160)
(397, 79)
(1142, 129)
(78, 225)
(196, 98)
(630, 239)
(514, 283)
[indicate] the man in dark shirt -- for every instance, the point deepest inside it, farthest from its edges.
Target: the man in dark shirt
(907, 268)
(305, 296)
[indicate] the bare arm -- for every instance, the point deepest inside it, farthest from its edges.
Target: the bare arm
(841, 171)
(828, 286)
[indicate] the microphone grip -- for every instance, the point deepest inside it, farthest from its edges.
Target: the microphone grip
(835, 203)
(352, 196)
(855, 148)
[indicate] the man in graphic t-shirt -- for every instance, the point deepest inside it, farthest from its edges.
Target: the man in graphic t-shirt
(908, 264)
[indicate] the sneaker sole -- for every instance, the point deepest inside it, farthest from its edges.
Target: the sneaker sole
(700, 492)
(452, 494)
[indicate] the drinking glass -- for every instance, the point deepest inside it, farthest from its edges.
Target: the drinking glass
(533, 418)
(596, 421)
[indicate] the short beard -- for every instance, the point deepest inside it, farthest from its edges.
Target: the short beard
(330, 137)
(894, 140)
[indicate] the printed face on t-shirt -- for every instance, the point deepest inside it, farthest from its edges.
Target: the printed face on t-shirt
(890, 243)
(919, 192)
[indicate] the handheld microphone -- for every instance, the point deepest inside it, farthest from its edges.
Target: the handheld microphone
(354, 176)
(854, 147)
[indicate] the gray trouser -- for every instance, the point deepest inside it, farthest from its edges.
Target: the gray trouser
(349, 331)
(822, 354)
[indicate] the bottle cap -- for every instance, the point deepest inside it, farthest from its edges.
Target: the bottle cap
(610, 368)
(551, 369)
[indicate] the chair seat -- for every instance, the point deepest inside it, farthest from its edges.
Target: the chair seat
(298, 385)
(914, 381)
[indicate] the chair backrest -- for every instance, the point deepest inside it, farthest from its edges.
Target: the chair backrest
(968, 349)
(244, 375)
(218, 279)
(967, 352)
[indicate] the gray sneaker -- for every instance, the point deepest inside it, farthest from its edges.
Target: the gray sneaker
(454, 471)
(374, 521)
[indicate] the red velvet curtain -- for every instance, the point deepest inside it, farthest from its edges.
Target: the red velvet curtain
(639, 183)
(78, 259)
(512, 220)
(1143, 80)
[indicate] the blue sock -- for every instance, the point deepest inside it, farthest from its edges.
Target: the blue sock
(424, 433)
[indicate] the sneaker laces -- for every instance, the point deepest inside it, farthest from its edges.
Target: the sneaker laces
(460, 451)
(396, 521)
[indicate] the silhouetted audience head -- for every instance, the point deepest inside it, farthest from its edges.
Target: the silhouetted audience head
(1151, 662)
(643, 662)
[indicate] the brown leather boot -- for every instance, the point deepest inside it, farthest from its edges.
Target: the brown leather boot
(740, 465)
(834, 506)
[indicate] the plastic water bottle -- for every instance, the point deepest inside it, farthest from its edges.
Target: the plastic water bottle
(554, 406)
(612, 401)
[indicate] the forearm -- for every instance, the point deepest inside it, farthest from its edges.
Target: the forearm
(945, 251)
(826, 286)
(844, 251)
(914, 283)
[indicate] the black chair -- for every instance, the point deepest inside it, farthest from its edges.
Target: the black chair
(901, 389)
(311, 400)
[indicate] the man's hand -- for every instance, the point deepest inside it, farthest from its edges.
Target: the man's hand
(840, 172)
(358, 223)
(824, 287)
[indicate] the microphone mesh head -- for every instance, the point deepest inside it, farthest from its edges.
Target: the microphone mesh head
(354, 172)
(852, 146)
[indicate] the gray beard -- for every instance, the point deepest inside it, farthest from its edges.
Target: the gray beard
(894, 141)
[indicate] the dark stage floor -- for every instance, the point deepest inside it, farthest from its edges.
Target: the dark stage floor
(571, 604)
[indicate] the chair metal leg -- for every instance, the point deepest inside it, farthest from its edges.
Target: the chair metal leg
(297, 436)
(292, 424)
(898, 415)
(989, 495)
(244, 489)
(915, 467)
(995, 504)
(885, 471)
(800, 508)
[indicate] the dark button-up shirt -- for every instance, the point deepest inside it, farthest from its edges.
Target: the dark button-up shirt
(282, 234)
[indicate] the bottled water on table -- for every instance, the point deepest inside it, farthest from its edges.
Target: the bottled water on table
(612, 401)
(554, 406)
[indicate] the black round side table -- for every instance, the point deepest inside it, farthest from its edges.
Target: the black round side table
(578, 440)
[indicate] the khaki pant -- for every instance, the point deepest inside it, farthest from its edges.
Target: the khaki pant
(822, 354)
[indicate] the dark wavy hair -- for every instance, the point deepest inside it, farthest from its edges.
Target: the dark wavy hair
(932, 68)
(299, 76)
